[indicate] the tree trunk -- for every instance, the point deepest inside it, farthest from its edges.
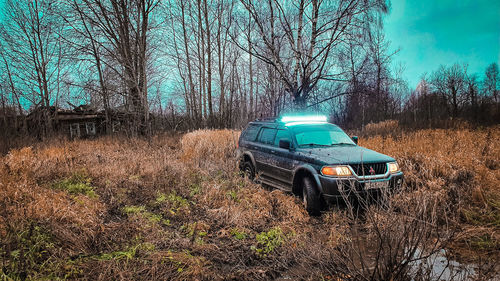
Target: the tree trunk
(209, 64)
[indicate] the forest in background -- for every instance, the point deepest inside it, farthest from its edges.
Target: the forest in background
(191, 64)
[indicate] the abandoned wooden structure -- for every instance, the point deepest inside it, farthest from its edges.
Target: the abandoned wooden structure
(80, 122)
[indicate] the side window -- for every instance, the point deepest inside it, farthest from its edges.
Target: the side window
(74, 130)
(282, 134)
(250, 133)
(266, 135)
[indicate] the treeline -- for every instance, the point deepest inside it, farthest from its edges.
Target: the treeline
(451, 92)
(184, 64)
(448, 95)
(195, 63)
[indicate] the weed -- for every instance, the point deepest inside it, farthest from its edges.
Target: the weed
(481, 217)
(127, 254)
(233, 195)
(238, 234)
(176, 203)
(134, 209)
(268, 242)
(195, 189)
(484, 242)
(195, 231)
(78, 183)
(160, 198)
(142, 212)
(29, 254)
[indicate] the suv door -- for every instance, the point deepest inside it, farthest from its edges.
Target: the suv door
(282, 170)
(264, 152)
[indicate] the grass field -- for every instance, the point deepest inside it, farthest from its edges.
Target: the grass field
(175, 207)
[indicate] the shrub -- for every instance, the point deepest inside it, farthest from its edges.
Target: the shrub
(269, 241)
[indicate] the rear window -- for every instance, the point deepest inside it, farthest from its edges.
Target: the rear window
(250, 134)
(267, 135)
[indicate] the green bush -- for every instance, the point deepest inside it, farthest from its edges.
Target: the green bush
(78, 183)
(269, 241)
(29, 255)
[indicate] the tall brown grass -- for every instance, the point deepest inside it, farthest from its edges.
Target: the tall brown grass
(382, 128)
(175, 207)
(211, 145)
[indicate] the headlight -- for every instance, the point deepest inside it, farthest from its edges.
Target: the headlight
(393, 167)
(336, 171)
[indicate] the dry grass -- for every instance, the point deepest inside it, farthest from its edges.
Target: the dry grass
(382, 128)
(175, 207)
(211, 145)
(460, 166)
(155, 211)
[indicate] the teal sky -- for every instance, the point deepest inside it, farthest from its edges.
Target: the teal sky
(434, 32)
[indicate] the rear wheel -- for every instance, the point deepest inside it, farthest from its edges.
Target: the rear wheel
(311, 198)
(248, 171)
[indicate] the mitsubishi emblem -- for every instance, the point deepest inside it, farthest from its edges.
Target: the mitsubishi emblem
(372, 171)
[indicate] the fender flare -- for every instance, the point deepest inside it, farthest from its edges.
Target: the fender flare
(308, 169)
(252, 159)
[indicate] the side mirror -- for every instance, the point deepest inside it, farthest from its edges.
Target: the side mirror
(355, 139)
(284, 143)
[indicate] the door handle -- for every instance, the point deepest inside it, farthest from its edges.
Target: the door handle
(273, 151)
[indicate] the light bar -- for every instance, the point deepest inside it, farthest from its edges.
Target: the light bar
(289, 124)
(310, 118)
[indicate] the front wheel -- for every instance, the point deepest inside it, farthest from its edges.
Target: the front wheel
(311, 198)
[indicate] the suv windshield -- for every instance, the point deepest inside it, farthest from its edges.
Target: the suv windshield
(320, 135)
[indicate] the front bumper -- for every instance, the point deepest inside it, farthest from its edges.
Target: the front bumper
(334, 188)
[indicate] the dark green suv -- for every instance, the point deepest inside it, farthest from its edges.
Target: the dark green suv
(313, 159)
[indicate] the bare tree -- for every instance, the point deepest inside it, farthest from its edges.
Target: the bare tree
(491, 81)
(450, 83)
(491, 85)
(298, 40)
(121, 29)
(32, 49)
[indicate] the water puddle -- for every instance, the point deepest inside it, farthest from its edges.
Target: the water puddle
(439, 267)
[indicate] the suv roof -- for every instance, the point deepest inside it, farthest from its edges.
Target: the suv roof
(291, 119)
(266, 120)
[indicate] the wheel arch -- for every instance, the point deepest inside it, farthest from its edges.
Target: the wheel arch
(299, 174)
(247, 156)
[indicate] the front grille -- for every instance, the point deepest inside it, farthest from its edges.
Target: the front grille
(364, 169)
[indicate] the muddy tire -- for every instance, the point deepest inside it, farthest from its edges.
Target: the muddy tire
(248, 171)
(311, 198)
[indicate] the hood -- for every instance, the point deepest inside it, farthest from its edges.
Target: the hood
(344, 154)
